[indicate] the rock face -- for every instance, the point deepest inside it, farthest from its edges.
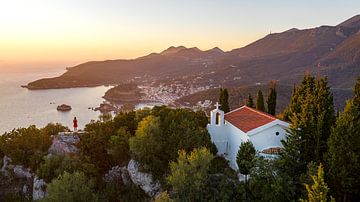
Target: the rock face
(113, 176)
(143, 180)
(117, 175)
(39, 189)
(15, 179)
(64, 143)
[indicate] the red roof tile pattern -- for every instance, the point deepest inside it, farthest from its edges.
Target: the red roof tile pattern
(246, 118)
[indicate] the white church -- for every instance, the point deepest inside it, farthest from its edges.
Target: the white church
(244, 124)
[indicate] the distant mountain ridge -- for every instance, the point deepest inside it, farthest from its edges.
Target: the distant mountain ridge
(332, 51)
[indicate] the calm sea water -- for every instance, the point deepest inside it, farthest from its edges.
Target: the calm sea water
(20, 107)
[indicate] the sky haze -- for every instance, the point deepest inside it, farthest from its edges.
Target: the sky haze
(42, 33)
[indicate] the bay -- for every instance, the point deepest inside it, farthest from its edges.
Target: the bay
(20, 107)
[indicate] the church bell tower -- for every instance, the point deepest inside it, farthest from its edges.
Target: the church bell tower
(217, 116)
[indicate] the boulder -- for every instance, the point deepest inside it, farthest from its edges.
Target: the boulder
(143, 180)
(21, 172)
(64, 143)
(39, 189)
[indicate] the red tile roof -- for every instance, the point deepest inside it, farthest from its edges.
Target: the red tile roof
(246, 118)
(273, 150)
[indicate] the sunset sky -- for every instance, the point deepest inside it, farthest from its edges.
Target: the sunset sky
(57, 33)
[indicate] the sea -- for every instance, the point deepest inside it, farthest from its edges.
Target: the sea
(20, 107)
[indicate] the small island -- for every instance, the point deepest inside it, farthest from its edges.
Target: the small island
(63, 108)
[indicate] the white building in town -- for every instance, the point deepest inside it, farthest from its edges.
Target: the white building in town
(229, 130)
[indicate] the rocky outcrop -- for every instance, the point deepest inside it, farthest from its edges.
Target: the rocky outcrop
(64, 143)
(63, 108)
(15, 179)
(114, 176)
(131, 174)
(143, 180)
(39, 189)
(106, 108)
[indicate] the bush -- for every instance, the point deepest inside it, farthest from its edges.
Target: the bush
(52, 129)
(56, 165)
(26, 146)
(71, 187)
(162, 134)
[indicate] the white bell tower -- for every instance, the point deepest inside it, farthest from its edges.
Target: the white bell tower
(217, 116)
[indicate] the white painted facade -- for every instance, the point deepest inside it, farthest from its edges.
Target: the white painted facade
(228, 138)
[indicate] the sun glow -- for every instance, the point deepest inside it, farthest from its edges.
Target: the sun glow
(70, 32)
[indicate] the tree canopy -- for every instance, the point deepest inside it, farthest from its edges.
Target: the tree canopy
(188, 174)
(311, 113)
(245, 158)
(343, 158)
(162, 134)
(71, 187)
(26, 146)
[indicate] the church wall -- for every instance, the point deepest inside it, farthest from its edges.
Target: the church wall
(218, 136)
(235, 138)
(268, 138)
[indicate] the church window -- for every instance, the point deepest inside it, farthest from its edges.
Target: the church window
(277, 133)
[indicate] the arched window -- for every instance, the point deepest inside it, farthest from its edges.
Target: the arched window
(218, 118)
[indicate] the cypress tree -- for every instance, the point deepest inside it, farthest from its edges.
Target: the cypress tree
(343, 157)
(250, 101)
(221, 96)
(271, 100)
(260, 101)
(224, 100)
(311, 113)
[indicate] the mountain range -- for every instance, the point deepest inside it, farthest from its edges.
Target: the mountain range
(332, 51)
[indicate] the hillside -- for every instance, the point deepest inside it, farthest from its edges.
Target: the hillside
(327, 50)
(332, 51)
(238, 96)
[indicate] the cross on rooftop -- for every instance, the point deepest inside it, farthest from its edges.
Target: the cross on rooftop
(217, 105)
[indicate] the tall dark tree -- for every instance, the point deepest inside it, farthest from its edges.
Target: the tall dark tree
(224, 100)
(250, 101)
(311, 113)
(271, 100)
(343, 157)
(260, 101)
